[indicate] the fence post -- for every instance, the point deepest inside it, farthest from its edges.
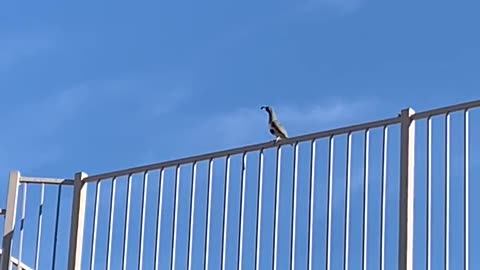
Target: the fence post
(10, 216)
(77, 222)
(407, 162)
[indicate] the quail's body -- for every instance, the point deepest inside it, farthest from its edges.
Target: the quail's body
(275, 128)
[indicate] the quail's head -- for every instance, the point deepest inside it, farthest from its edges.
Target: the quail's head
(266, 108)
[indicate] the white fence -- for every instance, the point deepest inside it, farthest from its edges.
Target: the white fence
(390, 194)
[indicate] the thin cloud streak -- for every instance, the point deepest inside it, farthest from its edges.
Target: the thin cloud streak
(245, 126)
(35, 130)
(28, 140)
(341, 6)
(16, 48)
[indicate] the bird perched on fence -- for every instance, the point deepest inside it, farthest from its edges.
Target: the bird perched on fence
(275, 127)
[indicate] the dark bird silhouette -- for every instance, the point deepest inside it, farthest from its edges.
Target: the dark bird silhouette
(275, 128)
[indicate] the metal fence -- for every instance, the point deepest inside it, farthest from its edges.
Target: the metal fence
(358, 197)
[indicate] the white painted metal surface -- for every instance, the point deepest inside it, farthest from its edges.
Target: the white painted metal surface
(253, 188)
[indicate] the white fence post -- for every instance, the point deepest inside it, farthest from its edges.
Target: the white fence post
(77, 222)
(10, 219)
(407, 162)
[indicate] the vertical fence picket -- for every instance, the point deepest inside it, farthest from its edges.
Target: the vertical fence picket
(212, 236)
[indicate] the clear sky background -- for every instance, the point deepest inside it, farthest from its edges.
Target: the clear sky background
(96, 86)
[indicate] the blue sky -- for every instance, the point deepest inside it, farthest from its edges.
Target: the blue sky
(101, 86)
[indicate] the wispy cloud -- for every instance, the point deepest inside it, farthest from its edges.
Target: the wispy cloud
(15, 48)
(45, 114)
(341, 6)
(249, 125)
(27, 137)
(32, 128)
(147, 96)
(168, 101)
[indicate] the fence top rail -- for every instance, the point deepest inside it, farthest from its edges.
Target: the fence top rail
(43, 180)
(447, 109)
(245, 149)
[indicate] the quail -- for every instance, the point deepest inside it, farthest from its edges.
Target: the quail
(275, 128)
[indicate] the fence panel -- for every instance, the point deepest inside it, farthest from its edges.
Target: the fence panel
(295, 203)
(446, 162)
(41, 218)
(390, 194)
